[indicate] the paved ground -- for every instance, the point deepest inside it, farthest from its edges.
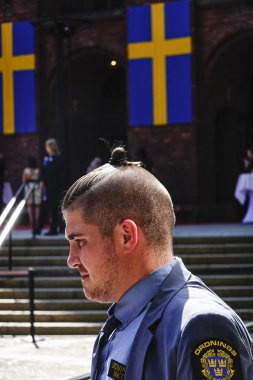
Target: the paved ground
(57, 358)
(64, 357)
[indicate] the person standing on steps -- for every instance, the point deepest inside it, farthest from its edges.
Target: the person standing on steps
(164, 322)
(31, 176)
(52, 187)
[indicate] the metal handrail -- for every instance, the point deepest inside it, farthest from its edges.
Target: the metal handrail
(31, 274)
(16, 212)
(249, 326)
(10, 204)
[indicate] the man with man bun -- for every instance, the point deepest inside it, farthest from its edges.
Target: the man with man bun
(164, 322)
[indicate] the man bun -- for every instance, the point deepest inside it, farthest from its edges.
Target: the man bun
(118, 157)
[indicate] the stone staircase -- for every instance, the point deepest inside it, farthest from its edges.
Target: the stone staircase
(225, 264)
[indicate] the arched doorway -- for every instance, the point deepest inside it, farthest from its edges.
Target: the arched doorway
(96, 102)
(226, 129)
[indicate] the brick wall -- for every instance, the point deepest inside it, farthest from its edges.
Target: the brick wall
(172, 151)
(11, 10)
(219, 26)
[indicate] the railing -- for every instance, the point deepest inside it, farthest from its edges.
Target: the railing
(13, 218)
(31, 274)
(10, 205)
(249, 326)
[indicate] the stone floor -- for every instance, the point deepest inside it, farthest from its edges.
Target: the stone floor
(57, 358)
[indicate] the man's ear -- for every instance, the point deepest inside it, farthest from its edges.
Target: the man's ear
(128, 232)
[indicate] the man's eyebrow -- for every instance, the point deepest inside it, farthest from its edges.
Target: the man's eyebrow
(73, 236)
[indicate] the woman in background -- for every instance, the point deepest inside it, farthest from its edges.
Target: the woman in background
(30, 176)
(52, 186)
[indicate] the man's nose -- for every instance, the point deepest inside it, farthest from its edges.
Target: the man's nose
(73, 259)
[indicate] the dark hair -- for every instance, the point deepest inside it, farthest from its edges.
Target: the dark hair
(123, 190)
(32, 162)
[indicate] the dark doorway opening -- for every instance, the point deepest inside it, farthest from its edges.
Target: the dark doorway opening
(226, 130)
(96, 102)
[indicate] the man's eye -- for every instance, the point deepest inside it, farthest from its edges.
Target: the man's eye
(80, 243)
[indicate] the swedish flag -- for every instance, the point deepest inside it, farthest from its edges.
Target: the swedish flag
(17, 78)
(159, 71)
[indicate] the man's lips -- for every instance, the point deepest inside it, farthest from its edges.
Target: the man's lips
(84, 276)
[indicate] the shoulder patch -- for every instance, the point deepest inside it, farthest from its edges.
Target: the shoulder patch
(117, 370)
(215, 359)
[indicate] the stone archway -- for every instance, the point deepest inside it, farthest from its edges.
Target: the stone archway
(226, 128)
(96, 102)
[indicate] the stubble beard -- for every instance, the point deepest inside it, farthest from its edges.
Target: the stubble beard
(105, 291)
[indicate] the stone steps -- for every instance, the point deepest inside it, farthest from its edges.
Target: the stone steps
(54, 304)
(244, 268)
(82, 316)
(36, 251)
(239, 302)
(58, 282)
(230, 290)
(77, 293)
(34, 261)
(211, 240)
(43, 293)
(217, 258)
(60, 240)
(227, 279)
(212, 248)
(60, 328)
(63, 250)
(197, 269)
(189, 259)
(225, 264)
(75, 282)
(43, 313)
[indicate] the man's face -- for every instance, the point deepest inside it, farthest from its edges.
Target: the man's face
(94, 257)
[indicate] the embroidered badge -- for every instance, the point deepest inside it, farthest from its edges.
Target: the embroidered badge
(216, 360)
(117, 370)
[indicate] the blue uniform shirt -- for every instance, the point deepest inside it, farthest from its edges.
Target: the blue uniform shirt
(130, 311)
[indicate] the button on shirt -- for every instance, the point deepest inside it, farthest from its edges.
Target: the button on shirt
(130, 311)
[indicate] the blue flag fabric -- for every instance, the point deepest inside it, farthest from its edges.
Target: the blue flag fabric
(17, 78)
(159, 70)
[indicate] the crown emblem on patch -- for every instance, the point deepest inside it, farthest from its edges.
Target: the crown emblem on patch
(217, 364)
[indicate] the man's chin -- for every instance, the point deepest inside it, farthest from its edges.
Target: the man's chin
(97, 297)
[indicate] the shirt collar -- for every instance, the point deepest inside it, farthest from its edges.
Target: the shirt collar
(139, 295)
